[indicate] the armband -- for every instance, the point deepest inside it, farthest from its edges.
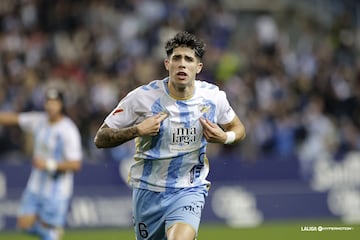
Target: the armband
(51, 165)
(230, 137)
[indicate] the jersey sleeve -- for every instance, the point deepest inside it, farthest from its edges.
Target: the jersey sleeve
(73, 147)
(29, 121)
(225, 112)
(124, 115)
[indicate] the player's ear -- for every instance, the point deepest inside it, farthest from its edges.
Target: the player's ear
(199, 67)
(166, 63)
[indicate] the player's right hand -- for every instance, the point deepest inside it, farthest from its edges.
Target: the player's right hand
(151, 125)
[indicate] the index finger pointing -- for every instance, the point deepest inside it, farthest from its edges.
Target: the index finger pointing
(161, 116)
(204, 123)
(211, 124)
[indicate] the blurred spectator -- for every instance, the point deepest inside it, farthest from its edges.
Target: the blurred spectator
(321, 137)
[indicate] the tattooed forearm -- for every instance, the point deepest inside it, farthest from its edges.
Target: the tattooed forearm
(109, 137)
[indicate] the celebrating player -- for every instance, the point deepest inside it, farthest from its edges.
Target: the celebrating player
(57, 155)
(172, 120)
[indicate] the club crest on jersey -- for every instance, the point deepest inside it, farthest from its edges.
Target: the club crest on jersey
(204, 108)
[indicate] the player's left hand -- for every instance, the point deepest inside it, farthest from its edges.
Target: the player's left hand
(212, 132)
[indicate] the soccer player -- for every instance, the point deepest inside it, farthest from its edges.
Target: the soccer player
(57, 154)
(171, 120)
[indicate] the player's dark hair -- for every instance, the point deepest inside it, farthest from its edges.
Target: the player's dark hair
(185, 39)
(56, 94)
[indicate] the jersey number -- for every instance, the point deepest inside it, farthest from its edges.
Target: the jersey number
(142, 230)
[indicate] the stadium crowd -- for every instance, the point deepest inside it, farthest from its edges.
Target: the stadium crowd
(294, 80)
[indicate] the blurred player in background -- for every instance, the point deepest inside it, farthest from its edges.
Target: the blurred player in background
(57, 154)
(172, 120)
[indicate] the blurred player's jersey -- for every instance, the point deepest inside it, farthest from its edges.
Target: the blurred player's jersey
(58, 141)
(175, 158)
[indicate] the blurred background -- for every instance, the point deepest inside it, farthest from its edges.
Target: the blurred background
(290, 69)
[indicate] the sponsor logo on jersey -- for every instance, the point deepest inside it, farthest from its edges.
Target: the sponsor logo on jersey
(119, 110)
(183, 136)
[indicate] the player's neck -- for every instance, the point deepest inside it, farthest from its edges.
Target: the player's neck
(55, 119)
(181, 92)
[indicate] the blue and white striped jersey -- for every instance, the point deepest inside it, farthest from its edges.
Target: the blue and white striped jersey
(176, 157)
(59, 141)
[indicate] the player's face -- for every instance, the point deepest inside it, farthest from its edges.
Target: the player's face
(183, 66)
(54, 108)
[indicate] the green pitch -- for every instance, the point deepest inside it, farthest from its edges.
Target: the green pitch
(291, 230)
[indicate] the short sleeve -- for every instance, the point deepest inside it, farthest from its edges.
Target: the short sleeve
(124, 115)
(30, 121)
(225, 112)
(73, 147)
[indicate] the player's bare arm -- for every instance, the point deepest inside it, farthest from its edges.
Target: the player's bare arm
(63, 166)
(107, 137)
(8, 118)
(218, 134)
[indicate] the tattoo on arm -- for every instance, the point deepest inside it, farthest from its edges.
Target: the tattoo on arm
(109, 137)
